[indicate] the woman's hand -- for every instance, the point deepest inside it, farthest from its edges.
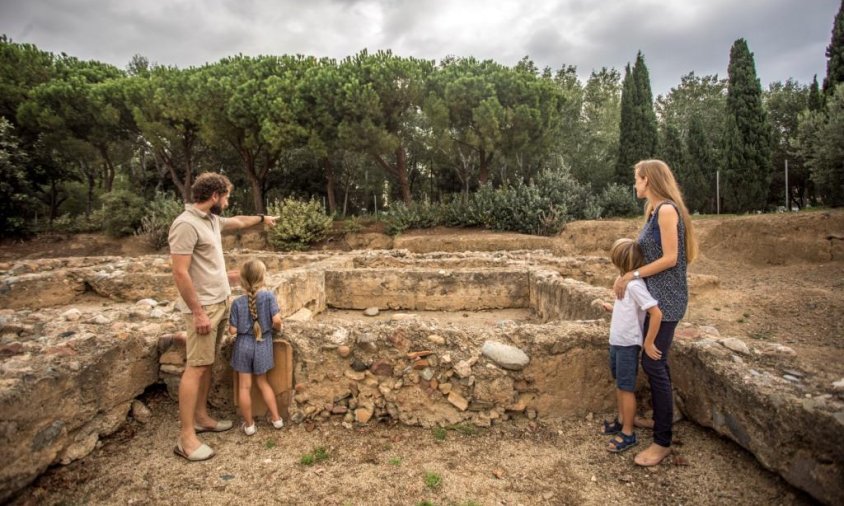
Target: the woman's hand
(652, 351)
(620, 286)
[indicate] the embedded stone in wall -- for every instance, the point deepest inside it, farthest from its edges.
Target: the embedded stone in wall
(506, 356)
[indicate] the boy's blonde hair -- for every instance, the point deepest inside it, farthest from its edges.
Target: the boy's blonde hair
(626, 255)
(664, 187)
(252, 279)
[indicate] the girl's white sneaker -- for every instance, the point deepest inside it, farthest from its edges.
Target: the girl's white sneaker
(250, 430)
(278, 424)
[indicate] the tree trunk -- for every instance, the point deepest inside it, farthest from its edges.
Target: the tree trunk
(401, 170)
(483, 169)
(255, 183)
(328, 169)
(91, 182)
(188, 141)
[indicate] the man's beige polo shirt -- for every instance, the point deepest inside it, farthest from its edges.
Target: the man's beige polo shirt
(197, 234)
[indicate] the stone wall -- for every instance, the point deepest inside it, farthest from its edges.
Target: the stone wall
(61, 393)
(795, 435)
(553, 297)
(426, 290)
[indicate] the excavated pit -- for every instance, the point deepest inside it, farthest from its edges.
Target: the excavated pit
(469, 338)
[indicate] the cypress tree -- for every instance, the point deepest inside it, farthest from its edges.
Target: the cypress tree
(699, 176)
(815, 100)
(835, 55)
(747, 142)
(673, 152)
(638, 129)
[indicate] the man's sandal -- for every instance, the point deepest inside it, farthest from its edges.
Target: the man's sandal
(611, 428)
(622, 442)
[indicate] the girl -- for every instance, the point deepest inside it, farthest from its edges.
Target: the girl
(253, 318)
(669, 245)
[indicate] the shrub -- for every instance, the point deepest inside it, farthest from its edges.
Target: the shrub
(352, 225)
(123, 211)
(402, 217)
(618, 200)
(159, 215)
(80, 224)
(299, 224)
(569, 197)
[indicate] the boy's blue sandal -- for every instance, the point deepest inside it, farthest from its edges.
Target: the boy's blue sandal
(612, 428)
(625, 442)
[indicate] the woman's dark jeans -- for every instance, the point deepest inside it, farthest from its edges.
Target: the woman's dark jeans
(659, 377)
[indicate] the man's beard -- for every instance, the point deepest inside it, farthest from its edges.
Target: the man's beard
(216, 209)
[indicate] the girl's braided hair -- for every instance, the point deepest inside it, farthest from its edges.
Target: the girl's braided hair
(252, 279)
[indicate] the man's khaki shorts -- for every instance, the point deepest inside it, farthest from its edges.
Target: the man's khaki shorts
(201, 349)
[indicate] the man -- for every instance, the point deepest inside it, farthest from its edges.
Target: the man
(199, 271)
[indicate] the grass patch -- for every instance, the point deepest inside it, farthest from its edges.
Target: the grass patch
(317, 455)
(433, 480)
(424, 503)
(270, 444)
(439, 433)
(463, 428)
(762, 335)
(395, 461)
(320, 454)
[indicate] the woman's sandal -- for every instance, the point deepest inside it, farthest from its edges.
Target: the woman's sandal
(622, 442)
(611, 429)
(204, 452)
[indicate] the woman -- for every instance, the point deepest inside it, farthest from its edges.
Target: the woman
(668, 243)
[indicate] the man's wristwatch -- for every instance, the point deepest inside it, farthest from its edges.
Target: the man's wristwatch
(636, 274)
(262, 218)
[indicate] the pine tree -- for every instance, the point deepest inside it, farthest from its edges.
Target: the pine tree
(747, 142)
(835, 55)
(638, 129)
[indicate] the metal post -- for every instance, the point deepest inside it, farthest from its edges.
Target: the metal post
(787, 204)
(718, 192)
(375, 204)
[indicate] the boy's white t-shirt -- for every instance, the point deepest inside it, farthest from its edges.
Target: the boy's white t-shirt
(628, 315)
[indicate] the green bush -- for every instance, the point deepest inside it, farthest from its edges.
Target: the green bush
(568, 196)
(618, 200)
(159, 215)
(402, 217)
(123, 212)
(80, 224)
(299, 224)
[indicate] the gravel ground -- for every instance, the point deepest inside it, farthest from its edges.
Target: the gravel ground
(523, 462)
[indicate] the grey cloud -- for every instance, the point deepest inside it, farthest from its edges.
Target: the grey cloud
(787, 36)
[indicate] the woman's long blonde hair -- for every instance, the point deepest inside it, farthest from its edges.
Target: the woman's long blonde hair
(252, 279)
(664, 187)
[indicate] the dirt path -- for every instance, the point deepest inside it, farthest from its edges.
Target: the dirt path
(516, 463)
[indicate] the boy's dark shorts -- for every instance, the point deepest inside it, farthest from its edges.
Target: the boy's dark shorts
(624, 364)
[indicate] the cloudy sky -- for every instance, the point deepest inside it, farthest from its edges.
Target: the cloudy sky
(787, 37)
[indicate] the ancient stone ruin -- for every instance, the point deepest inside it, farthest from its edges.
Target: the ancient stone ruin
(478, 338)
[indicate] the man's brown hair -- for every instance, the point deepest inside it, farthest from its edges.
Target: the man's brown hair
(209, 183)
(626, 255)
